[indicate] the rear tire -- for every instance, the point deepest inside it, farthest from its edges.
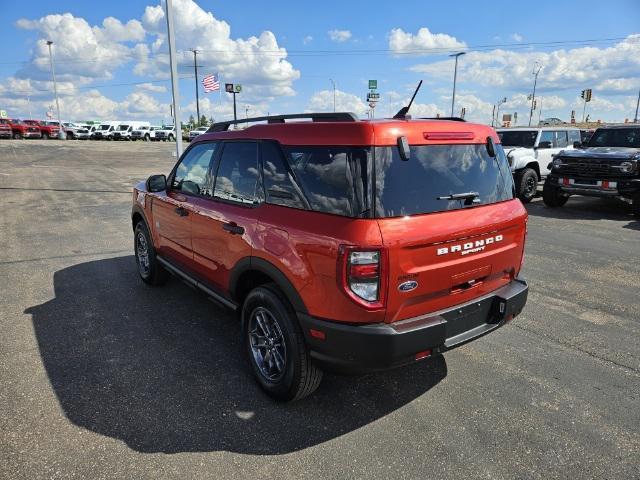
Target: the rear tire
(17, 136)
(146, 137)
(171, 139)
(526, 184)
(149, 269)
(552, 196)
(275, 346)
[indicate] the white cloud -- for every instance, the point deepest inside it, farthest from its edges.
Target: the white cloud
(151, 87)
(257, 60)
(617, 85)
(322, 101)
(574, 68)
(422, 43)
(307, 39)
(82, 53)
(339, 35)
(517, 37)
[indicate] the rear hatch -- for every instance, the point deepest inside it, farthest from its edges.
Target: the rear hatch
(445, 251)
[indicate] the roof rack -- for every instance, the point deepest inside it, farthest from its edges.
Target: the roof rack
(315, 117)
(453, 119)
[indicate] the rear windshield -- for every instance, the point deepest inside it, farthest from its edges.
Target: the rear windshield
(432, 172)
(518, 138)
(616, 137)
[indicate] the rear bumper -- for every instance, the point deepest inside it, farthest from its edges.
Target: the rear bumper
(372, 347)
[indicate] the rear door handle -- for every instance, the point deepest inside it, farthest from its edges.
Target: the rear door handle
(233, 228)
(181, 211)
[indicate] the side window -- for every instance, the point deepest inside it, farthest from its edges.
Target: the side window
(546, 136)
(192, 174)
(561, 139)
(237, 177)
(574, 136)
(278, 184)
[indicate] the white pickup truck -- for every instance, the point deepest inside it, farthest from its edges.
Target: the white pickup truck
(530, 150)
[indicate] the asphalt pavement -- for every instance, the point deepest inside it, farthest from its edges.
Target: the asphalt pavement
(102, 376)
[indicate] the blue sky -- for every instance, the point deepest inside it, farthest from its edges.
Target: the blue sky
(284, 54)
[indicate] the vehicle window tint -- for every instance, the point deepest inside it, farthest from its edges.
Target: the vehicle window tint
(574, 136)
(279, 186)
(192, 174)
(546, 136)
(333, 179)
(237, 177)
(434, 172)
(616, 137)
(561, 139)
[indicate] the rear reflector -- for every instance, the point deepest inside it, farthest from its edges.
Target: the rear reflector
(425, 354)
(448, 135)
(319, 334)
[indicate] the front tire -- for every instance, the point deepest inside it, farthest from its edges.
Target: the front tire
(17, 136)
(149, 269)
(635, 205)
(171, 139)
(275, 346)
(552, 196)
(526, 184)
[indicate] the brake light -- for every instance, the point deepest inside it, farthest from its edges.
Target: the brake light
(362, 275)
(448, 135)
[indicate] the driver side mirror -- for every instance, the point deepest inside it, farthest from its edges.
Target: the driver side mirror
(577, 144)
(156, 183)
(544, 145)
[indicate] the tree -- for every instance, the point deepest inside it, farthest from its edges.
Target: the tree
(191, 121)
(211, 121)
(203, 121)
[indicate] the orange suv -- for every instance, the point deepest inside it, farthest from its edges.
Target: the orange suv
(343, 244)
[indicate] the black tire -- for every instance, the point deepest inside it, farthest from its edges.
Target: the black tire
(150, 271)
(17, 136)
(526, 184)
(171, 138)
(552, 196)
(297, 376)
(146, 137)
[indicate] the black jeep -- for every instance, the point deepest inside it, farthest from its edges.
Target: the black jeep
(607, 166)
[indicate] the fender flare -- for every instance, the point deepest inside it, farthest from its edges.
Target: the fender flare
(137, 209)
(264, 266)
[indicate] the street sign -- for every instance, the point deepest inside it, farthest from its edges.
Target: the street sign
(373, 84)
(228, 87)
(373, 97)
(3, 114)
(238, 88)
(506, 117)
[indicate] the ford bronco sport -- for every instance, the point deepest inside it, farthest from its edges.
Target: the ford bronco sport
(608, 166)
(343, 244)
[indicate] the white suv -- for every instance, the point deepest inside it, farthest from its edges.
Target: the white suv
(530, 150)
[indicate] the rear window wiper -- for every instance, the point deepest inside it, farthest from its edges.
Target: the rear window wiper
(460, 196)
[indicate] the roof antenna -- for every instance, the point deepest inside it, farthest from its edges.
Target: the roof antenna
(402, 113)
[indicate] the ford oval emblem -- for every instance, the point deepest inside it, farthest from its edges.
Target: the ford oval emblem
(408, 286)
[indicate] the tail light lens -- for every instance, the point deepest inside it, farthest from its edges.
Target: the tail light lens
(362, 275)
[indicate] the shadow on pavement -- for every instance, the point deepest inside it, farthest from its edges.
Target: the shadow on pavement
(587, 208)
(161, 369)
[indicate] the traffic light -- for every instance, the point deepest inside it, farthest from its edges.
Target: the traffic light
(588, 95)
(582, 95)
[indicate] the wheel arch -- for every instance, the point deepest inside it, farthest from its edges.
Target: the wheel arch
(251, 272)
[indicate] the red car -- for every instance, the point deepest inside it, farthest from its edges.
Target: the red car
(5, 128)
(47, 131)
(20, 129)
(343, 244)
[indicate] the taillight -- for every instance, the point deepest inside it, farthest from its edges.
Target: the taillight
(362, 275)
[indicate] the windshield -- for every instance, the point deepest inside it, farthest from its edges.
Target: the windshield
(424, 183)
(518, 138)
(104, 127)
(616, 137)
(123, 127)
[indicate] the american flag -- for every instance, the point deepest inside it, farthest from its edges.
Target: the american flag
(211, 83)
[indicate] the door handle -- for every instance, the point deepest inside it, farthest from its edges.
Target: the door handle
(233, 228)
(181, 211)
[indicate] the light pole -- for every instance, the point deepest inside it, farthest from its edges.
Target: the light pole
(246, 111)
(61, 133)
(635, 119)
(334, 93)
(455, 75)
(533, 95)
(174, 78)
(500, 102)
(195, 67)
